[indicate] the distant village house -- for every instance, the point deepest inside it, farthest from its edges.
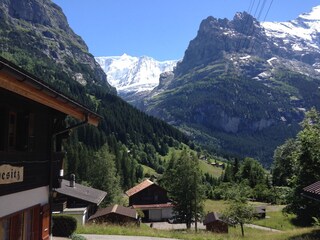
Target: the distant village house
(214, 223)
(76, 200)
(152, 200)
(115, 214)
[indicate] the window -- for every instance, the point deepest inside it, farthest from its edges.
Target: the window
(31, 133)
(21, 226)
(12, 130)
(21, 131)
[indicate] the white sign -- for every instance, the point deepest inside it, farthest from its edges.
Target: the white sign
(10, 174)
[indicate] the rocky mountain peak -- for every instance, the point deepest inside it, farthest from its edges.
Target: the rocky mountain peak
(216, 37)
(245, 24)
(42, 12)
(38, 29)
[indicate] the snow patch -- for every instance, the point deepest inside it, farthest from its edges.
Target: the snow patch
(297, 47)
(270, 60)
(246, 57)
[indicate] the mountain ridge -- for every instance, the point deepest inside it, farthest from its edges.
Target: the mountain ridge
(239, 86)
(47, 36)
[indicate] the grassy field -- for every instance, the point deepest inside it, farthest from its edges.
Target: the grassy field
(207, 168)
(234, 233)
(204, 166)
(277, 220)
(215, 206)
(148, 170)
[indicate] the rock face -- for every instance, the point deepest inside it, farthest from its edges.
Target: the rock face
(35, 34)
(217, 37)
(243, 83)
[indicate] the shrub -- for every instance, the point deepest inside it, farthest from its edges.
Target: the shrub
(77, 237)
(63, 226)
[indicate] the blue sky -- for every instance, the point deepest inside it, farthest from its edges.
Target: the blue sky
(161, 29)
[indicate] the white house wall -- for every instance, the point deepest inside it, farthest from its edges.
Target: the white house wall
(160, 214)
(167, 213)
(18, 201)
(155, 214)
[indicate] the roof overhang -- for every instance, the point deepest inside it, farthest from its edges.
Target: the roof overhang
(153, 206)
(312, 191)
(313, 197)
(16, 80)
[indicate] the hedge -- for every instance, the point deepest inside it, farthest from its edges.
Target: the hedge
(63, 226)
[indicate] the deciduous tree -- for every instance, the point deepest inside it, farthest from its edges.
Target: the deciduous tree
(239, 212)
(285, 163)
(182, 178)
(308, 172)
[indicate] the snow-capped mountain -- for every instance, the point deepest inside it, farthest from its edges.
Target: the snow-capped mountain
(134, 74)
(299, 35)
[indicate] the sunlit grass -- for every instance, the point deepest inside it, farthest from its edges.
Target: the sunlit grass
(207, 168)
(234, 233)
(277, 220)
(148, 170)
(215, 205)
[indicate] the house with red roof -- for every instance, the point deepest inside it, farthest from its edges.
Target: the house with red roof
(152, 200)
(115, 214)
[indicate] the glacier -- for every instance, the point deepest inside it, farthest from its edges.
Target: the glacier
(134, 74)
(301, 33)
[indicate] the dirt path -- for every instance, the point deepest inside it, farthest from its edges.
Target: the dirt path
(262, 228)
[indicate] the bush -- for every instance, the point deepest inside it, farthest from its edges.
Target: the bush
(77, 237)
(63, 226)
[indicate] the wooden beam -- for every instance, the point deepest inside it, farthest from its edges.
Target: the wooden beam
(29, 91)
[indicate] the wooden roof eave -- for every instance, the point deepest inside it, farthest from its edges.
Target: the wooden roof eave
(19, 82)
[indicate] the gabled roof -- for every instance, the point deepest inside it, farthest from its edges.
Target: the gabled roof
(124, 211)
(81, 192)
(212, 217)
(143, 185)
(16, 80)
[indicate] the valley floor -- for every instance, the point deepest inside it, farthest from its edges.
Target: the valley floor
(118, 237)
(275, 226)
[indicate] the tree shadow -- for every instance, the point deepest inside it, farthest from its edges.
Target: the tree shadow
(301, 222)
(313, 235)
